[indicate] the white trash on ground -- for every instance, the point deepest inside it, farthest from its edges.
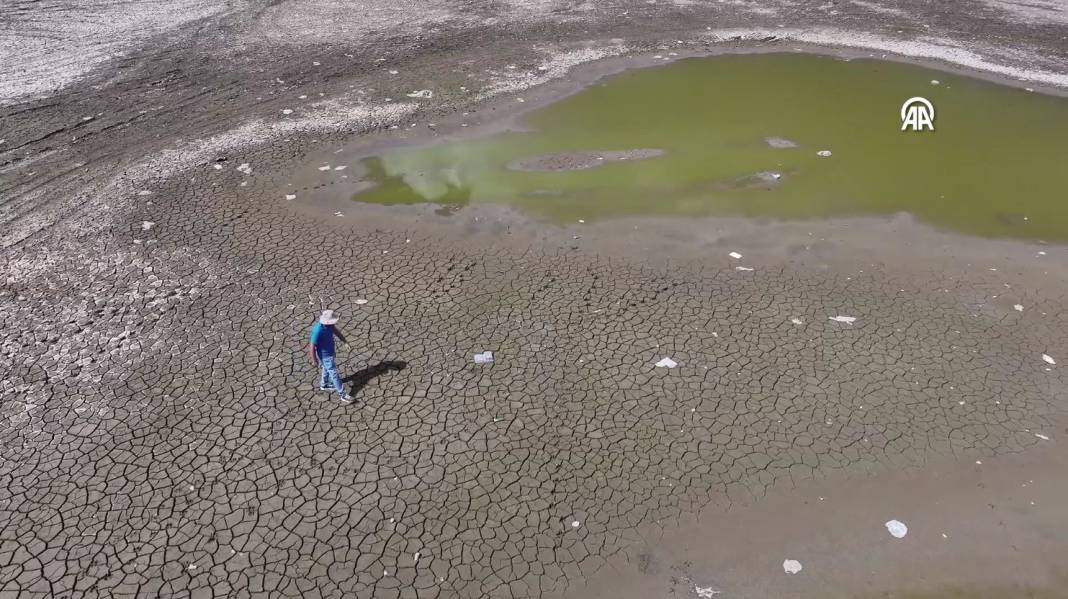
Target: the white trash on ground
(361, 302)
(1048, 359)
(743, 268)
(485, 357)
(667, 363)
(897, 529)
(791, 566)
(823, 153)
(423, 93)
(735, 255)
(845, 319)
(705, 592)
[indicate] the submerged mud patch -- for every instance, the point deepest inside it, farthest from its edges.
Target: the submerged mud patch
(573, 161)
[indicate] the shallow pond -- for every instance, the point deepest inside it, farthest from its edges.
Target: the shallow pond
(740, 135)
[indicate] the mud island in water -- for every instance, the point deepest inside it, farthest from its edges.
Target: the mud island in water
(642, 299)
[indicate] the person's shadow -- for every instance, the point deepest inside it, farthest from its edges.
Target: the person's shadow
(361, 378)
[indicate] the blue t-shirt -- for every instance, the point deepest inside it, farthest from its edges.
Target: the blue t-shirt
(322, 337)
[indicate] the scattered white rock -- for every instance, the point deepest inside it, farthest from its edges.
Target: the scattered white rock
(897, 529)
(791, 566)
(797, 321)
(1018, 308)
(1041, 436)
(824, 153)
(845, 319)
(743, 268)
(1048, 360)
(423, 93)
(291, 196)
(735, 255)
(485, 357)
(667, 363)
(147, 224)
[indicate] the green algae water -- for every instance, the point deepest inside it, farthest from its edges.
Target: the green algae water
(740, 136)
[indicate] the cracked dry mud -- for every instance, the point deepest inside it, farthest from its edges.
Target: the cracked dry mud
(161, 430)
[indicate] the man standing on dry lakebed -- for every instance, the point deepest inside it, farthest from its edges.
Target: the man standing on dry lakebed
(324, 356)
(672, 299)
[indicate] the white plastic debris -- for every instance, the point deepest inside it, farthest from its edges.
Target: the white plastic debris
(705, 592)
(144, 192)
(845, 319)
(735, 255)
(416, 556)
(217, 167)
(743, 268)
(1048, 360)
(291, 196)
(1041, 436)
(897, 529)
(361, 302)
(935, 81)
(575, 524)
(1018, 308)
(287, 111)
(823, 153)
(485, 357)
(797, 321)
(667, 363)
(423, 93)
(341, 168)
(146, 225)
(791, 566)
(245, 168)
(325, 167)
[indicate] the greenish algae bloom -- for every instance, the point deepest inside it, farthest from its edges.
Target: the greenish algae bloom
(996, 164)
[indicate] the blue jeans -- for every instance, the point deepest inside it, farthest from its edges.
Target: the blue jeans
(328, 366)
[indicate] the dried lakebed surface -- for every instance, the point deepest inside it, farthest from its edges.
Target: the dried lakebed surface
(162, 436)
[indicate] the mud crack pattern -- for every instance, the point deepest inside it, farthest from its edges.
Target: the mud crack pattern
(163, 434)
